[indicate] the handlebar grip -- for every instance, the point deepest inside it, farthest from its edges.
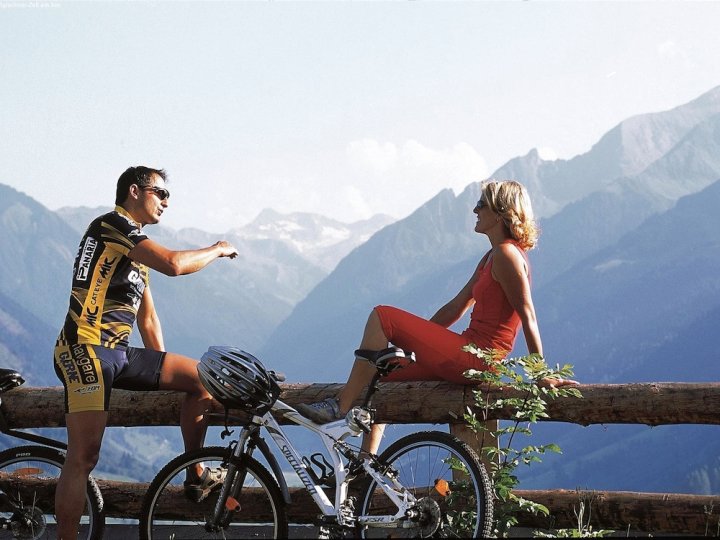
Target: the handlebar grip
(279, 377)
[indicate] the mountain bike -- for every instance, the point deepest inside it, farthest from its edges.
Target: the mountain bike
(427, 484)
(28, 476)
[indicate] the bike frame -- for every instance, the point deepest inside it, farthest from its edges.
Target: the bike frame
(331, 435)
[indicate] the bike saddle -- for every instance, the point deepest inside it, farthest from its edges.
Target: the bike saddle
(9, 378)
(387, 360)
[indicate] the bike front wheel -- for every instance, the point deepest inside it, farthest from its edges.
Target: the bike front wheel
(257, 511)
(28, 478)
(453, 489)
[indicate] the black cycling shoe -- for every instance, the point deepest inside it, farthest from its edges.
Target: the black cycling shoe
(211, 479)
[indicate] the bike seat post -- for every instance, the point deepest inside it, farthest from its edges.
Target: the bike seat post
(4, 428)
(372, 388)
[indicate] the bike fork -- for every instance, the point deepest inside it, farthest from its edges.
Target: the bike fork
(230, 490)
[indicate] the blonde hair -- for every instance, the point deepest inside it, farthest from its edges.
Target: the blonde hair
(510, 200)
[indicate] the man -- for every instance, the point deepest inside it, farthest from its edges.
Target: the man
(110, 291)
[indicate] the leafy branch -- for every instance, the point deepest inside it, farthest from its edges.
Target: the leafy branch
(526, 389)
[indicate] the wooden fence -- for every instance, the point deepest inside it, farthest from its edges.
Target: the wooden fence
(443, 403)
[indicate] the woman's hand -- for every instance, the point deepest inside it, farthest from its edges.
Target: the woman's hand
(550, 382)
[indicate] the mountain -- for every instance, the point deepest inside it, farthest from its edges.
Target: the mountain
(625, 285)
(329, 321)
(322, 240)
(282, 257)
(623, 278)
(37, 249)
(19, 331)
(422, 261)
(614, 311)
(625, 151)
(235, 302)
(250, 294)
(601, 218)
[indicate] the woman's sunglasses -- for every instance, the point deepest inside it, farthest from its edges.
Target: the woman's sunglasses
(480, 205)
(162, 193)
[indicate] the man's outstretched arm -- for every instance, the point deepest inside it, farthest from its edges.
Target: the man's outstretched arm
(178, 263)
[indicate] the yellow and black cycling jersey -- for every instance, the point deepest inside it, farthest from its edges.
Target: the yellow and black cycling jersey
(107, 286)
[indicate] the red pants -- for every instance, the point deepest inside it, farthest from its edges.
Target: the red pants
(438, 351)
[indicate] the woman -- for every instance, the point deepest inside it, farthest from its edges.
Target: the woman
(499, 290)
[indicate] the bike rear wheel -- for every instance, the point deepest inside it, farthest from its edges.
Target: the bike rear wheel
(447, 475)
(28, 477)
(168, 513)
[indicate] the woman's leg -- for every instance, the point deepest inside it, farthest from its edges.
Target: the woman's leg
(362, 372)
(438, 352)
(439, 356)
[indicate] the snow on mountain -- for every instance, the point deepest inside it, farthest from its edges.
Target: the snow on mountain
(323, 240)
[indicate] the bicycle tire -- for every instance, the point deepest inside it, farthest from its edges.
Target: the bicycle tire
(167, 513)
(26, 468)
(464, 500)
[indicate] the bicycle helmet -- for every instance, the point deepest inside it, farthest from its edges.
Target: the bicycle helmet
(238, 380)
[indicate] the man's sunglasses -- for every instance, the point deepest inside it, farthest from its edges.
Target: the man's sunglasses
(162, 193)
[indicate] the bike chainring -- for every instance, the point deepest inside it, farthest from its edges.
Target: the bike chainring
(28, 524)
(430, 516)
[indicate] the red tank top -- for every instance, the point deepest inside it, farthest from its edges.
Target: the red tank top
(493, 321)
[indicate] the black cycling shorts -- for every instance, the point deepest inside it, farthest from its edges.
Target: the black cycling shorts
(90, 372)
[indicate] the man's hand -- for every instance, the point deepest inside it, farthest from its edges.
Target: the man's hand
(227, 249)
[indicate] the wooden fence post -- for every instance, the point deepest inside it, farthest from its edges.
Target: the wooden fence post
(478, 440)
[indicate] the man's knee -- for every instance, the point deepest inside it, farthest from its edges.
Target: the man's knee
(193, 387)
(199, 395)
(83, 458)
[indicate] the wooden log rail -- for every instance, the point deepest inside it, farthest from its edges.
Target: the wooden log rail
(443, 403)
(622, 511)
(652, 404)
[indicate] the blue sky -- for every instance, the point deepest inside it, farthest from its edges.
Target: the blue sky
(344, 109)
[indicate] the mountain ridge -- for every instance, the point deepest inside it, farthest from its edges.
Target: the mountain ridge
(620, 290)
(554, 184)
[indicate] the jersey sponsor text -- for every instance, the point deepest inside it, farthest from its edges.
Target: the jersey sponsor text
(85, 258)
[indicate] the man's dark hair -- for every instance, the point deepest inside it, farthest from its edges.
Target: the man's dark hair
(142, 176)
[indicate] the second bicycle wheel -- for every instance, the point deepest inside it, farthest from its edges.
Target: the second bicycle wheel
(258, 512)
(28, 477)
(445, 475)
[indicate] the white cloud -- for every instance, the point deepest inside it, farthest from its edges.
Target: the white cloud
(372, 155)
(668, 49)
(363, 178)
(453, 167)
(356, 202)
(397, 178)
(547, 153)
(683, 55)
